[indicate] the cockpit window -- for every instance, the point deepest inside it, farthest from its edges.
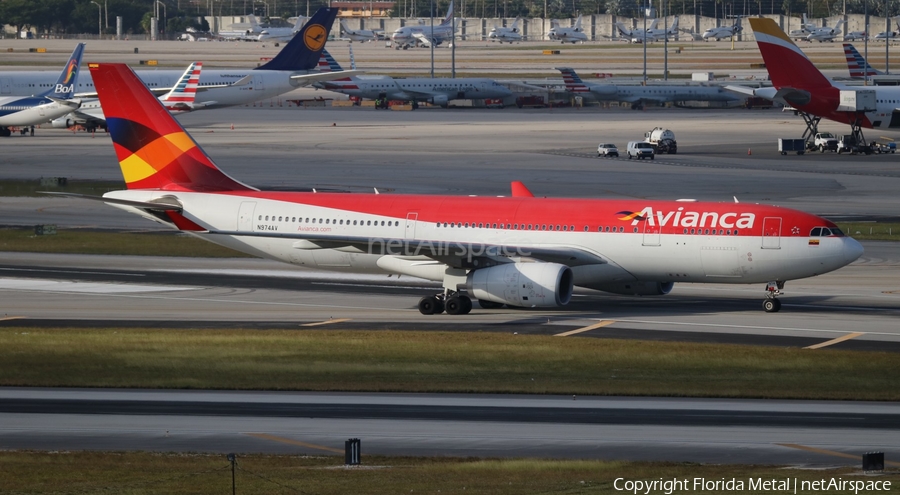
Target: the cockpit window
(836, 232)
(826, 232)
(816, 232)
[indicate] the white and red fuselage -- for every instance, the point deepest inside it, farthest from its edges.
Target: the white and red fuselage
(649, 241)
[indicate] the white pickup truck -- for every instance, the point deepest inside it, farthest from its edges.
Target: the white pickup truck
(823, 141)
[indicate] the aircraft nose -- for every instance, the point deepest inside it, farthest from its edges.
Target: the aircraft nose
(852, 250)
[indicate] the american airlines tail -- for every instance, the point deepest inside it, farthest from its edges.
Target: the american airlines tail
(788, 66)
(154, 151)
(181, 97)
(64, 88)
(859, 67)
(304, 49)
(573, 82)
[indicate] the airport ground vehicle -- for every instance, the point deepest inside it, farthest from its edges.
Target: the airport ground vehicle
(822, 142)
(848, 143)
(662, 140)
(883, 147)
(640, 150)
(788, 145)
(607, 150)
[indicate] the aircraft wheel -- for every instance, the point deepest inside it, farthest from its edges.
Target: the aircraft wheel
(429, 305)
(458, 305)
(771, 305)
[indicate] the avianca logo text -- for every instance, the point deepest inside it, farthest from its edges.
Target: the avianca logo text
(681, 218)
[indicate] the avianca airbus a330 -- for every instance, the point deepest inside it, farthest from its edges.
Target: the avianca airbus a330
(519, 250)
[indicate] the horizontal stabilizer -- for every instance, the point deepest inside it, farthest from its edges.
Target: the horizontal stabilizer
(161, 206)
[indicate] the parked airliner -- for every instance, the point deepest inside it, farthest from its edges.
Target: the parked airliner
(799, 84)
(519, 250)
(179, 99)
(857, 64)
(360, 35)
(58, 100)
(438, 91)
(825, 33)
(722, 32)
(508, 34)
(294, 66)
(638, 95)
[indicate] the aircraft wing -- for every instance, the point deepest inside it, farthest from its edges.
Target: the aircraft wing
(455, 254)
(307, 79)
(741, 90)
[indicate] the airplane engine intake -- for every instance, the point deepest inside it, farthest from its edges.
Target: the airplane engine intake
(439, 100)
(61, 123)
(541, 285)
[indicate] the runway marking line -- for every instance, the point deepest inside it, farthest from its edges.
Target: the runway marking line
(326, 322)
(266, 436)
(7, 318)
(835, 341)
(829, 452)
(595, 326)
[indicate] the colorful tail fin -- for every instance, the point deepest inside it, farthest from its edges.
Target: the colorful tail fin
(304, 49)
(64, 88)
(573, 82)
(181, 97)
(154, 151)
(788, 66)
(859, 67)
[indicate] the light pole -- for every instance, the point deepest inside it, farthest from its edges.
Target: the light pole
(106, 15)
(99, 19)
(165, 21)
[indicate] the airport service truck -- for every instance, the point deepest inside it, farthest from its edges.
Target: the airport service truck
(662, 140)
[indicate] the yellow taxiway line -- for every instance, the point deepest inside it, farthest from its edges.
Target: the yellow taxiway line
(595, 326)
(829, 452)
(835, 341)
(266, 436)
(326, 322)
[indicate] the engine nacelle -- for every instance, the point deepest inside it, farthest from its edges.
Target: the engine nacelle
(439, 100)
(542, 285)
(62, 123)
(637, 288)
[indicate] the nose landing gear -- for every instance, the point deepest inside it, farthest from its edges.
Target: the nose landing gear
(773, 289)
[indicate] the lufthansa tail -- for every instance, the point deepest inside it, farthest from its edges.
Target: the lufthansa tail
(304, 49)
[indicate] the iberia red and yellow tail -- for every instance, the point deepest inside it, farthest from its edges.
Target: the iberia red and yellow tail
(154, 151)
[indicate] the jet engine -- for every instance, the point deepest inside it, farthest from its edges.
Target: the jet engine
(62, 123)
(637, 288)
(541, 285)
(439, 100)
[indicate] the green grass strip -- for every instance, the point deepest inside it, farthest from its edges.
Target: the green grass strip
(871, 231)
(186, 474)
(412, 361)
(113, 243)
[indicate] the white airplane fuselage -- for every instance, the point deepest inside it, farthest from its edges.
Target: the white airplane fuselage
(418, 88)
(264, 83)
(673, 243)
(407, 34)
(32, 110)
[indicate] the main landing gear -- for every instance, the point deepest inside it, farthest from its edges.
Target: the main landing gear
(453, 303)
(773, 289)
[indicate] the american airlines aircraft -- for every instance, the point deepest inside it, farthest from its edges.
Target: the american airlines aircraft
(799, 84)
(857, 64)
(424, 34)
(51, 104)
(519, 250)
(294, 66)
(179, 99)
(639, 95)
(438, 91)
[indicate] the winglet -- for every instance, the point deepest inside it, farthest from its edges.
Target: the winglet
(520, 191)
